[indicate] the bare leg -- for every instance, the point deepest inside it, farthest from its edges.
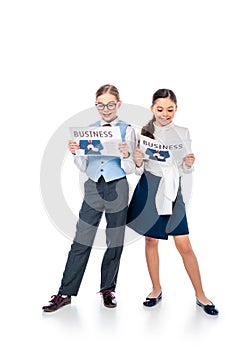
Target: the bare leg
(191, 265)
(152, 259)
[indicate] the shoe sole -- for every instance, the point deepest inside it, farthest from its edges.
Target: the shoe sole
(110, 306)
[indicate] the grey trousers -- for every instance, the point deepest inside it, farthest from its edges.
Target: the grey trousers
(111, 198)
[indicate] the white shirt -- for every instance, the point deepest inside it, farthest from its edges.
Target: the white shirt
(171, 170)
(166, 134)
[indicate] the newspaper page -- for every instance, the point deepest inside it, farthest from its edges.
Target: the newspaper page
(97, 141)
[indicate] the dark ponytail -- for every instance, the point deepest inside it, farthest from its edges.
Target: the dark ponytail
(148, 129)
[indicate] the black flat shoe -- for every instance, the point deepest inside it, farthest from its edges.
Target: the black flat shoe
(209, 309)
(149, 302)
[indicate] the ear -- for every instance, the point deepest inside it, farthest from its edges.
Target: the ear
(152, 109)
(119, 103)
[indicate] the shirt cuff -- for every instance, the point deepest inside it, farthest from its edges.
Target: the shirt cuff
(139, 170)
(127, 158)
(187, 169)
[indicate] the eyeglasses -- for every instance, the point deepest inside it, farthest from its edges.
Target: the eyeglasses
(101, 106)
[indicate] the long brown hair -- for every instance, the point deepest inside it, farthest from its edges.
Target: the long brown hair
(148, 129)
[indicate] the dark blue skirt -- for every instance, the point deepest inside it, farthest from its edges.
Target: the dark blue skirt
(143, 216)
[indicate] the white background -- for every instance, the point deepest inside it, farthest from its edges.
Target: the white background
(54, 56)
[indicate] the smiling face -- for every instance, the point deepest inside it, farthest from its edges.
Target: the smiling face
(107, 106)
(164, 110)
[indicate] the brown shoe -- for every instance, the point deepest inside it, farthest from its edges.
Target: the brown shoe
(56, 303)
(108, 298)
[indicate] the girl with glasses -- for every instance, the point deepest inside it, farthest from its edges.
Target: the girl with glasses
(106, 190)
